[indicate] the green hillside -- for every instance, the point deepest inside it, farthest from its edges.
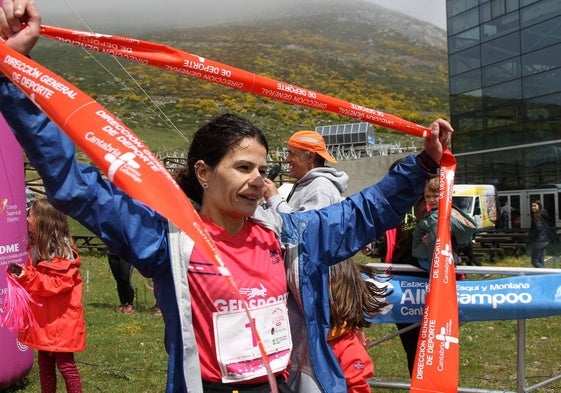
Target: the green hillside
(341, 54)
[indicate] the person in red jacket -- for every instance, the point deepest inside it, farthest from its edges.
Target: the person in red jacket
(53, 280)
(355, 293)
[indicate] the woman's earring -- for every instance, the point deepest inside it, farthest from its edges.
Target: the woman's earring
(205, 185)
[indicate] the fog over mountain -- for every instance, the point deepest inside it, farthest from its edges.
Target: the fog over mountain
(144, 15)
(354, 49)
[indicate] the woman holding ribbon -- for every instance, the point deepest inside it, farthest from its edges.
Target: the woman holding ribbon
(282, 273)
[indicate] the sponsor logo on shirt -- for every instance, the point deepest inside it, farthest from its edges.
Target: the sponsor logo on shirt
(251, 293)
(255, 297)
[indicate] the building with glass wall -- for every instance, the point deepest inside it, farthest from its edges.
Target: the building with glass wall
(505, 91)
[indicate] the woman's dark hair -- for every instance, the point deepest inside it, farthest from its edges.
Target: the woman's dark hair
(211, 143)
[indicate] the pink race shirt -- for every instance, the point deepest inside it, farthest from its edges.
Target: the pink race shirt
(228, 347)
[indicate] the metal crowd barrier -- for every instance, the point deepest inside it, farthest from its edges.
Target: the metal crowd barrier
(521, 328)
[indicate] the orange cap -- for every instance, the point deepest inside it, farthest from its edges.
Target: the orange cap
(311, 141)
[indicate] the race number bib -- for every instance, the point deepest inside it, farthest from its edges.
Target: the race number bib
(236, 347)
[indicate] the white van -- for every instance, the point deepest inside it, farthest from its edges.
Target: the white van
(478, 200)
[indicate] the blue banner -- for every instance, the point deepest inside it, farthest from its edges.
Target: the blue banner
(517, 297)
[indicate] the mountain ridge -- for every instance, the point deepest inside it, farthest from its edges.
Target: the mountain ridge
(248, 11)
(349, 50)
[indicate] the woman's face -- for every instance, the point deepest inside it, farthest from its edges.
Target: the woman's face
(535, 207)
(235, 186)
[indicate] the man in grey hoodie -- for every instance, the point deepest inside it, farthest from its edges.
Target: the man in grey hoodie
(316, 185)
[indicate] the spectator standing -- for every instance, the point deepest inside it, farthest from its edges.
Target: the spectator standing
(539, 234)
(122, 273)
(462, 228)
(402, 254)
(317, 186)
(53, 280)
(395, 247)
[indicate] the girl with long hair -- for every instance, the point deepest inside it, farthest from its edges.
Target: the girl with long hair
(52, 278)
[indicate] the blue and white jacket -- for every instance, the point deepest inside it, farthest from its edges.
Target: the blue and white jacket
(315, 238)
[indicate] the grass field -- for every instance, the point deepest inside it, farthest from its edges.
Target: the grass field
(125, 353)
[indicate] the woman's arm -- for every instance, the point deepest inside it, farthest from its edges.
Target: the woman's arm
(129, 228)
(339, 231)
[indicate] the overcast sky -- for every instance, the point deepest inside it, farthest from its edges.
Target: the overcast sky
(433, 11)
